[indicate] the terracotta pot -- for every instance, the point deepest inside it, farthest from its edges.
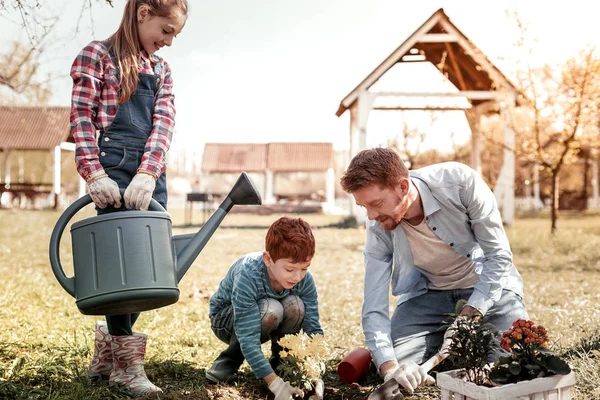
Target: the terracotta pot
(355, 365)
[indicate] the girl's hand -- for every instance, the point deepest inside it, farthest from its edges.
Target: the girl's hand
(104, 192)
(139, 192)
(319, 389)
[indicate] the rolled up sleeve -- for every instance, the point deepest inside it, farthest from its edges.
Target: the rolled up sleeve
(378, 256)
(487, 227)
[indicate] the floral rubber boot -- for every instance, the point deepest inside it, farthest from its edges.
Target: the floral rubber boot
(102, 362)
(128, 365)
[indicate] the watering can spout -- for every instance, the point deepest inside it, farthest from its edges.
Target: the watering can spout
(243, 193)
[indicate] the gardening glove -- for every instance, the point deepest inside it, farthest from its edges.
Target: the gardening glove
(409, 375)
(104, 192)
(139, 192)
(319, 389)
(283, 390)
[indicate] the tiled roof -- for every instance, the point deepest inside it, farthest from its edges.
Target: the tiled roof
(34, 128)
(234, 157)
(278, 157)
(306, 157)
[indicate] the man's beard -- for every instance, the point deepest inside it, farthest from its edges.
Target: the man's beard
(388, 223)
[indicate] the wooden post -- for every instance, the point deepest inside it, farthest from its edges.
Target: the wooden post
(330, 188)
(6, 197)
(269, 198)
(473, 118)
(56, 184)
(505, 186)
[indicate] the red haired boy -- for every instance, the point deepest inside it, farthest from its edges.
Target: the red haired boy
(264, 296)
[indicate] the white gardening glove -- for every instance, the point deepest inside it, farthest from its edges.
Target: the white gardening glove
(283, 390)
(448, 336)
(319, 389)
(104, 192)
(410, 375)
(139, 192)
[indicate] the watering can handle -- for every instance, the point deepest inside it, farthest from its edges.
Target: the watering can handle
(68, 283)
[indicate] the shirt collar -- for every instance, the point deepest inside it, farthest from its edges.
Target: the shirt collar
(430, 204)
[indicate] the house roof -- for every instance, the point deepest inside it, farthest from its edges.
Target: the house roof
(277, 157)
(440, 42)
(293, 157)
(34, 128)
(234, 157)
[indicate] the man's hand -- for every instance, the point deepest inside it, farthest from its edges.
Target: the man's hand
(283, 390)
(410, 375)
(139, 192)
(104, 192)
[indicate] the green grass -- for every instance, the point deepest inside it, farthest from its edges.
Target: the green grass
(46, 344)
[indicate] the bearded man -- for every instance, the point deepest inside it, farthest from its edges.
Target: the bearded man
(435, 234)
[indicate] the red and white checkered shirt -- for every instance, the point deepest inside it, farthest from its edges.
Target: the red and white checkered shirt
(94, 104)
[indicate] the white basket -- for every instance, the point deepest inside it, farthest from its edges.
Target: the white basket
(557, 387)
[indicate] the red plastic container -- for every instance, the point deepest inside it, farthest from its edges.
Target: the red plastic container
(355, 365)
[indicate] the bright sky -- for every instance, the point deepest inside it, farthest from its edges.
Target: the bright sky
(276, 70)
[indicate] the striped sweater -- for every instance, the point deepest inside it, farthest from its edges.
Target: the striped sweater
(245, 284)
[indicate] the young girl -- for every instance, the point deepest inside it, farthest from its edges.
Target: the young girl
(264, 296)
(124, 91)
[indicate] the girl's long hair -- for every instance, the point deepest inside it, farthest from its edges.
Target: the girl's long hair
(125, 42)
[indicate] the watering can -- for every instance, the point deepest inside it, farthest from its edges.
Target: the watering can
(129, 261)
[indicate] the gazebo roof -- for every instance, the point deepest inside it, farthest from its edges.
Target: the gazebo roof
(277, 157)
(34, 128)
(440, 42)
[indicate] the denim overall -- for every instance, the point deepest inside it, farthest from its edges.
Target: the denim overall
(121, 148)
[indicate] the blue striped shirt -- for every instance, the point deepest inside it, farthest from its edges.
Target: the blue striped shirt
(245, 284)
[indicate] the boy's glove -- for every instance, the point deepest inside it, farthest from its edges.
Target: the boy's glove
(104, 191)
(410, 375)
(283, 390)
(139, 192)
(319, 389)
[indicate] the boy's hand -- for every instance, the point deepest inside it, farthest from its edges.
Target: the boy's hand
(104, 192)
(319, 389)
(139, 192)
(283, 390)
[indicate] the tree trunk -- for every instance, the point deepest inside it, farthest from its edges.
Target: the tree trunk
(554, 210)
(584, 192)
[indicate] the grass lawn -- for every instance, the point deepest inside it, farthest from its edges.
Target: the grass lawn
(46, 344)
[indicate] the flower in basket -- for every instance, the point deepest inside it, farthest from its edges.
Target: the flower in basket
(303, 361)
(529, 357)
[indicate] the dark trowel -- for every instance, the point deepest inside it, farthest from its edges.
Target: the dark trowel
(390, 390)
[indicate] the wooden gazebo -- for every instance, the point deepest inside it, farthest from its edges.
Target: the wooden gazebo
(439, 42)
(34, 129)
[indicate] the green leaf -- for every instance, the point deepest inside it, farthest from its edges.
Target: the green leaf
(557, 365)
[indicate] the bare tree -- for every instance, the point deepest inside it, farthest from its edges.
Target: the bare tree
(410, 139)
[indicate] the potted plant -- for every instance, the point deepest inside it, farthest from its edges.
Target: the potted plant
(302, 362)
(529, 371)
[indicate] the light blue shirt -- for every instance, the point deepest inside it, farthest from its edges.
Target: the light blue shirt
(461, 209)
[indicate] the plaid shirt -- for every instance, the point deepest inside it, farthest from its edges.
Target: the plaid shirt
(94, 104)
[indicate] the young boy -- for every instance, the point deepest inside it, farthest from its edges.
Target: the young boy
(266, 295)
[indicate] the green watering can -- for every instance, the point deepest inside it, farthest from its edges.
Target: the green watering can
(129, 261)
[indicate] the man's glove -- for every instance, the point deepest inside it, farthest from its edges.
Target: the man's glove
(104, 192)
(139, 192)
(410, 375)
(283, 390)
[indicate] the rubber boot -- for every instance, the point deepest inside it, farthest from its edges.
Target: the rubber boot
(276, 348)
(223, 369)
(128, 365)
(101, 365)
